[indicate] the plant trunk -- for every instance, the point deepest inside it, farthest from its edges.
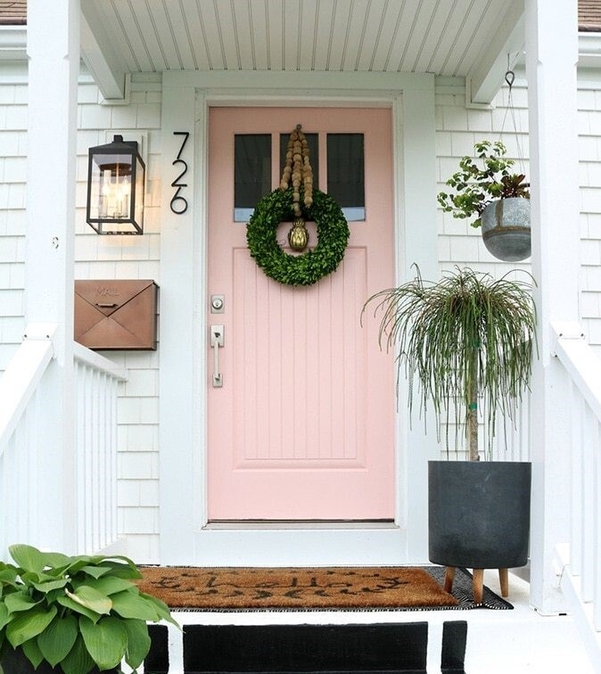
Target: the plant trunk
(472, 409)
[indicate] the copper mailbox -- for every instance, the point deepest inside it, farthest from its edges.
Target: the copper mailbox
(116, 314)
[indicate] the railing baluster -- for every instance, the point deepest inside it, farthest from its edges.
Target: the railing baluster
(577, 473)
(595, 439)
(588, 518)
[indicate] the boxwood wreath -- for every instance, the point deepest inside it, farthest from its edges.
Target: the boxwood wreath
(296, 200)
(295, 270)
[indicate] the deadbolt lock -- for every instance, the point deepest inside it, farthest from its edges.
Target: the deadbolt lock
(217, 304)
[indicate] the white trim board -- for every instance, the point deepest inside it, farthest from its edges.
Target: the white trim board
(185, 538)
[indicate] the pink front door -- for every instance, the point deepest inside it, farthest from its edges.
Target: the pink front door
(301, 422)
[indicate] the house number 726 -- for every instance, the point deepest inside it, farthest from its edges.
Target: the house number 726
(179, 204)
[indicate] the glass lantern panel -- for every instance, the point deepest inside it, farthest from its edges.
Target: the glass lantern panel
(139, 194)
(111, 187)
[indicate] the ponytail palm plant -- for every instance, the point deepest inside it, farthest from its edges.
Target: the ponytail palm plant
(466, 339)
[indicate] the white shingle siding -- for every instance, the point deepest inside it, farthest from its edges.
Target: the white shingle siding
(589, 130)
(128, 258)
(13, 170)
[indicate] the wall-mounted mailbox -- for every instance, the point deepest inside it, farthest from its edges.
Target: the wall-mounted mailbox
(116, 314)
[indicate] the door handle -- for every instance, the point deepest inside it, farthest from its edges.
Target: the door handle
(216, 344)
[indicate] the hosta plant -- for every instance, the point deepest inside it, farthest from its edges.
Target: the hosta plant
(75, 613)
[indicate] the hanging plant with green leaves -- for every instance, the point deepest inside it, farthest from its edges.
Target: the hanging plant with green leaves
(480, 182)
(467, 338)
(298, 201)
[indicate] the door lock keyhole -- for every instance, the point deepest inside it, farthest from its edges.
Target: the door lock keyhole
(217, 304)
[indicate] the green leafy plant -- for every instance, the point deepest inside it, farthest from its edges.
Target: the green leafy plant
(75, 612)
(478, 184)
(466, 338)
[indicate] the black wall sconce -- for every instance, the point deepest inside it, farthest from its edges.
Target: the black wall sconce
(116, 178)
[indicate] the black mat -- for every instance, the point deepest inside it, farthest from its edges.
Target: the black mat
(391, 648)
(463, 591)
(307, 649)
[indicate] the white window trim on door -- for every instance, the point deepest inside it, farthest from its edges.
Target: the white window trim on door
(185, 537)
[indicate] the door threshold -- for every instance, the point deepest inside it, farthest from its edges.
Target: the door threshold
(310, 525)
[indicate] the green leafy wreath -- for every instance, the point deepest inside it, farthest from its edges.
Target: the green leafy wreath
(295, 270)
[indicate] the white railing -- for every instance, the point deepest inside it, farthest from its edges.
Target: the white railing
(19, 402)
(24, 456)
(580, 558)
(97, 381)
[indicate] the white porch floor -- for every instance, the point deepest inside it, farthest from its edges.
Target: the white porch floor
(498, 642)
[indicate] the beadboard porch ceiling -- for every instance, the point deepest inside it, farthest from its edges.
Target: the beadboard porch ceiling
(466, 38)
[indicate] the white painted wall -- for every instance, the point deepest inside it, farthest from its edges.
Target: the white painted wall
(457, 128)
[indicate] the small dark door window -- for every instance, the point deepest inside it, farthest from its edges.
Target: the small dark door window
(345, 163)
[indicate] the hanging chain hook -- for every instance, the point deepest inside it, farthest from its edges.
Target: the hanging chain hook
(509, 80)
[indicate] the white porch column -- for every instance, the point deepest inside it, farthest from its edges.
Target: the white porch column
(551, 57)
(53, 50)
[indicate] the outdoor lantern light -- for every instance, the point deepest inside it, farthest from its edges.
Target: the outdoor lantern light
(116, 188)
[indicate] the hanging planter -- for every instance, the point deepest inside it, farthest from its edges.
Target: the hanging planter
(500, 200)
(506, 229)
(296, 200)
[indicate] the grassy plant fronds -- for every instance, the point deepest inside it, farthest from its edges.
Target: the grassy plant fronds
(466, 338)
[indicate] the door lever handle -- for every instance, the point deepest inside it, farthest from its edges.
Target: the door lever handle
(216, 344)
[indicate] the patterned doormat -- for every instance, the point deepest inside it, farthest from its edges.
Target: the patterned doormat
(308, 589)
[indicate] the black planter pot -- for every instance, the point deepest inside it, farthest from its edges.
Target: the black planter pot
(479, 513)
(14, 662)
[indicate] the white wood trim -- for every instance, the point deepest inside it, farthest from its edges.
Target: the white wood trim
(109, 77)
(417, 243)
(250, 88)
(13, 43)
(185, 537)
(19, 382)
(53, 51)
(552, 77)
(486, 78)
(181, 413)
(97, 362)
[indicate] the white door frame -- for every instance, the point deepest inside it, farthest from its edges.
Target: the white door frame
(185, 537)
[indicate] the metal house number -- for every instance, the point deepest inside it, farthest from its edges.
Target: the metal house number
(179, 204)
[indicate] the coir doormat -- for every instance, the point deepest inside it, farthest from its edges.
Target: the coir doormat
(307, 589)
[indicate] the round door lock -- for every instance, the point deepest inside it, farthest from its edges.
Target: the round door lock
(217, 303)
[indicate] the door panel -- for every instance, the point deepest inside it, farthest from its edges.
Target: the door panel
(302, 428)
